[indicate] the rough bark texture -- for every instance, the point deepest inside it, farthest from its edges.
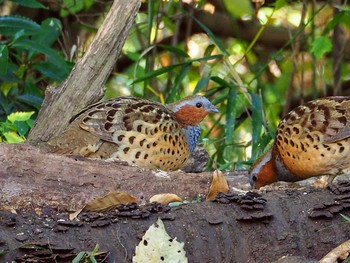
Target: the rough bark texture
(85, 84)
(236, 228)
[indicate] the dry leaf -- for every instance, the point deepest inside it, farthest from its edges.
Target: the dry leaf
(109, 202)
(165, 198)
(218, 184)
(341, 252)
(157, 246)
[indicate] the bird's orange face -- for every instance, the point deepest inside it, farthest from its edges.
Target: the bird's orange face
(190, 115)
(263, 172)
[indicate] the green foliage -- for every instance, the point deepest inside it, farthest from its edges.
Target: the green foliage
(27, 62)
(88, 257)
(16, 127)
(320, 46)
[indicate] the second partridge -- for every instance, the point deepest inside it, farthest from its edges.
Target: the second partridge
(311, 140)
(138, 131)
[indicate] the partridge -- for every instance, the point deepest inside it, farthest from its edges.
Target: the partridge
(139, 131)
(311, 140)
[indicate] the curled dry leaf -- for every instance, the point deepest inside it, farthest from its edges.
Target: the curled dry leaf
(340, 252)
(165, 198)
(218, 184)
(109, 202)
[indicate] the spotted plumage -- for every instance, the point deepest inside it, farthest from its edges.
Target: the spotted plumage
(311, 140)
(139, 131)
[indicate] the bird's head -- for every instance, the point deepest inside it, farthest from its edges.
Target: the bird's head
(263, 171)
(192, 110)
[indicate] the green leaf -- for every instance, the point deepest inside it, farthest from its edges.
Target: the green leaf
(21, 127)
(50, 31)
(177, 82)
(20, 116)
(13, 137)
(4, 59)
(213, 38)
(30, 3)
(30, 99)
(52, 71)
(203, 82)
(79, 257)
(320, 46)
(11, 25)
(345, 217)
(88, 4)
(177, 51)
(53, 56)
(231, 112)
(280, 3)
(71, 7)
(339, 17)
(163, 70)
(239, 8)
(257, 120)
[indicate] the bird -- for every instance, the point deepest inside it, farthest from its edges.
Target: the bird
(311, 140)
(141, 132)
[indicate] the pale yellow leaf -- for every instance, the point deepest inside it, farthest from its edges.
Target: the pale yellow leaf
(340, 252)
(165, 198)
(157, 246)
(218, 184)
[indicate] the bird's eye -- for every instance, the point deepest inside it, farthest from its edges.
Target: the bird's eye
(199, 105)
(254, 178)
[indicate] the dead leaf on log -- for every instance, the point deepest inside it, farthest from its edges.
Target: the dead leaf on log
(165, 198)
(107, 203)
(157, 246)
(341, 252)
(218, 185)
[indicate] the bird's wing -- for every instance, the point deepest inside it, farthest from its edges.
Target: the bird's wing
(126, 114)
(328, 116)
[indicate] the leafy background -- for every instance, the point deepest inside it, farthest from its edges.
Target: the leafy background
(255, 61)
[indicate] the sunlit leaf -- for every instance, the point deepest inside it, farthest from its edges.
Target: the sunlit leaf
(13, 137)
(19, 116)
(320, 46)
(239, 8)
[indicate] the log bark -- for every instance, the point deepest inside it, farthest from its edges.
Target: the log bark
(38, 190)
(85, 84)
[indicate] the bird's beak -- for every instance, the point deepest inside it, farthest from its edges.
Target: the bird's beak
(212, 109)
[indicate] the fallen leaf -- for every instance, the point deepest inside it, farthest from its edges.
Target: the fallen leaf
(218, 184)
(157, 246)
(165, 198)
(109, 202)
(342, 252)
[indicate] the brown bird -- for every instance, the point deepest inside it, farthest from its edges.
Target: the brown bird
(312, 140)
(138, 131)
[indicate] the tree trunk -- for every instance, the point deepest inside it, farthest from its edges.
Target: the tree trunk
(236, 228)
